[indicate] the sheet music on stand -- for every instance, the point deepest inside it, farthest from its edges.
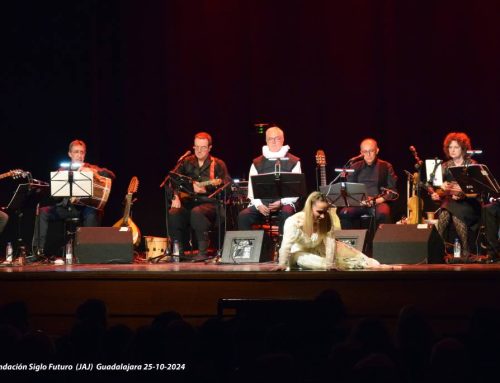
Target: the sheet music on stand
(71, 183)
(434, 170)
(344, 194)
(475, 179)
(278, 185)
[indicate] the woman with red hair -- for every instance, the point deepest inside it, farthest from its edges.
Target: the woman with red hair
(456, 207)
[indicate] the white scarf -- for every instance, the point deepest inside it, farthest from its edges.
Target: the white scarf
(279, 154)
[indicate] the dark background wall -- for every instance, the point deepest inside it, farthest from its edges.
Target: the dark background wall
(137, 79)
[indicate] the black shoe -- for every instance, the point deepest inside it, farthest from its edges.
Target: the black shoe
(38, 255)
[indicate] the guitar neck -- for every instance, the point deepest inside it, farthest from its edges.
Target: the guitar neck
(322, 175)
(6, 175)
(209, 182)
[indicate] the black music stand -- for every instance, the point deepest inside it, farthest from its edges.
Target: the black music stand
(274, 186)
(69, 184)
(475, 179)
(345, 194)
(19, 200)
(278, 185)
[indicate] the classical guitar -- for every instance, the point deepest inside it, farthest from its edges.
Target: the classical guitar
(321, 163)
(126, 221)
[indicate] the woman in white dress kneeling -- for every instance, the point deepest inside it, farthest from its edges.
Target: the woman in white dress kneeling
(309, 240)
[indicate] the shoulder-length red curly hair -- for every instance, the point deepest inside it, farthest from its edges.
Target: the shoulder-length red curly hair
(461, 138)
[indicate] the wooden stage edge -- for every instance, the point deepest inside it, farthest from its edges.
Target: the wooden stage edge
(134, 294)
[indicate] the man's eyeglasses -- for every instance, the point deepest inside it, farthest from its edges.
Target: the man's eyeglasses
(368, 151)
(275, 139)
(200, 148)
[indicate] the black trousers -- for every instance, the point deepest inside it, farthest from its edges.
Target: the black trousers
(348, 215)
(4, 218)
(251, 216)
(88, 216)
(491, 216)
(199, 217)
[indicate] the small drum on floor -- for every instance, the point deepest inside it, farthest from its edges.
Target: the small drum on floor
(155, 246)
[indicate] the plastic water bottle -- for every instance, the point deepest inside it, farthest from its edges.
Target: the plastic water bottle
(69, 253)
(176, 251)
(456, 249)
(9, 253)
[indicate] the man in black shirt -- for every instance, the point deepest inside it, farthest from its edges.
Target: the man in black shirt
(205, 173)
(380, 181)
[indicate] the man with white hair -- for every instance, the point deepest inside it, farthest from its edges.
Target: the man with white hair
(258, 209)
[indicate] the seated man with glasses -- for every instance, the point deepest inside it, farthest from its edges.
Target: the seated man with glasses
(258, 210)
(380, 180)
(189, 209)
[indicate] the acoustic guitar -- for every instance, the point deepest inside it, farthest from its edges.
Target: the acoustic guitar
(126, 221)
(321, 163)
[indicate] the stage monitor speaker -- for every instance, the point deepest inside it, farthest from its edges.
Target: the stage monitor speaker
(103, 245)
(354, 237)
(245, 246)
(408, 244)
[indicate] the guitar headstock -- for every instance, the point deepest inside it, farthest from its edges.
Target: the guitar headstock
(15, 173)
(320, 158)
(133, 185)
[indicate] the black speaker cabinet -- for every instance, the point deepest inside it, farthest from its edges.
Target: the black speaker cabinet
(407, 244)
(245, 246)
(103, 245)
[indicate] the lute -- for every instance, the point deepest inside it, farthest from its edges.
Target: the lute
(126, 220)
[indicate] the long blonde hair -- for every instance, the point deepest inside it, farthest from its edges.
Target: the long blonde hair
(325, 225)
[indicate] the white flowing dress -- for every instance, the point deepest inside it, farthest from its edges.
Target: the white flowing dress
(299, 250)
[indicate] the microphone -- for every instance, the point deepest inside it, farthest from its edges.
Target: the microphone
(474, 152)
(184, 155)
(277, 168)
(358, 157)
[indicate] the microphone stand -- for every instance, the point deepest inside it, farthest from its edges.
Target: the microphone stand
(168, 195)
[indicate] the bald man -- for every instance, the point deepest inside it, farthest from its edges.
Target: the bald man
(376, 174)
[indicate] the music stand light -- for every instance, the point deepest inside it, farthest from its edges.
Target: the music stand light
(344, 194)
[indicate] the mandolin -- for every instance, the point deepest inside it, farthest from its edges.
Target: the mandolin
(126, 221)
(321, 163)
(185, 196)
